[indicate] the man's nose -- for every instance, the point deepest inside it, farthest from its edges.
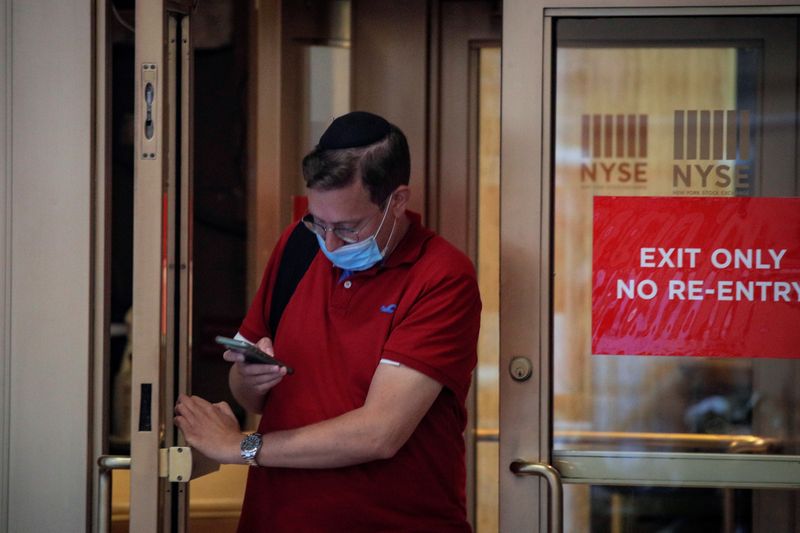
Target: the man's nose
(332, 242)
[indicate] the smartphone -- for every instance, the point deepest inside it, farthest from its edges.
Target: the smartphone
(251, 352)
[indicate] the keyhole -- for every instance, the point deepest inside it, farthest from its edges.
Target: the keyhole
(521, 368)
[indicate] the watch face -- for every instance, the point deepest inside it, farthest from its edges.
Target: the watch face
(251, 442)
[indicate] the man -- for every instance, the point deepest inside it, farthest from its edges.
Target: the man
(367, 433)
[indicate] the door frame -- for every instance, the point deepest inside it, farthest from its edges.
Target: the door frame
(161, 258)
(524, 300)
(149, 176)
(526, 423)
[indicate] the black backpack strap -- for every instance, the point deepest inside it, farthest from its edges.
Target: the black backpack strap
(300, 249)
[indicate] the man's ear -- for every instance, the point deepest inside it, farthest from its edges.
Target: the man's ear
(400, 200)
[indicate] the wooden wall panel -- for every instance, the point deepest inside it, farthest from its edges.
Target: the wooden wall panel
(390, 74)
(462, 25)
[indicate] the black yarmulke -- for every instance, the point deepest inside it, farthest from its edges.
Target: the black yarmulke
(355, 129)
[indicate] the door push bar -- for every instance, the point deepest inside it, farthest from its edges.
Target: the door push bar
(524, 468)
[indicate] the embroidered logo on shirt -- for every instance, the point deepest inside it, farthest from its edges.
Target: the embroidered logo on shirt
(388, 309)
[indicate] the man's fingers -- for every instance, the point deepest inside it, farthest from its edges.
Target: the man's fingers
(186, 427)
(269, 379)
(189, 406)
(233, 357)
(182, 406)
(265, 345)
(257, 369)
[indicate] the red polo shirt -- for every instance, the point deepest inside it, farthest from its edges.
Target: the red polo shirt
(420, 308)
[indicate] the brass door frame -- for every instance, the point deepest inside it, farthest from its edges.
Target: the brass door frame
(524, 322)
(162, 266)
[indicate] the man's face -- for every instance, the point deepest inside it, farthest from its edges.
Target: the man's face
(348, 207)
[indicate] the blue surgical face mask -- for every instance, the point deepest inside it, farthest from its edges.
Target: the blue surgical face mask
(360, 255)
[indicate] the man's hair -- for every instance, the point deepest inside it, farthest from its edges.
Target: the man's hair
(382, 166)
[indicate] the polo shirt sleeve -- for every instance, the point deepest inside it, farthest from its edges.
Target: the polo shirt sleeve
(256, 322)
(438, 334)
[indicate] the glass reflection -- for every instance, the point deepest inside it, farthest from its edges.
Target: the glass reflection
(636, 121)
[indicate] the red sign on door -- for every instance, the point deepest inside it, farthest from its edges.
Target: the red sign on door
(696, 276)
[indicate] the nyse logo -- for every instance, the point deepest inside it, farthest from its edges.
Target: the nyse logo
(712, 150)
(617, 144)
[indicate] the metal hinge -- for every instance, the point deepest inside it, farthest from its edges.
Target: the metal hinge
(182, 464)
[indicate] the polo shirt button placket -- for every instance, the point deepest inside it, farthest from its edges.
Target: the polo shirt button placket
(342, 294)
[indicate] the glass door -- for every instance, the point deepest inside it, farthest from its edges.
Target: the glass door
(666, 403)
(670, 354)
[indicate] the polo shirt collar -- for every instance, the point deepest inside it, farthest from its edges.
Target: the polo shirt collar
(410, 247)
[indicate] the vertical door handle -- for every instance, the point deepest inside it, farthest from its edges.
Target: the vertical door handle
(107, 463)
(524, 468)
(178, 463)
(148, 140)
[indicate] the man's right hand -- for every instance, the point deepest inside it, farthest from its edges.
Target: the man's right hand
(250, 382)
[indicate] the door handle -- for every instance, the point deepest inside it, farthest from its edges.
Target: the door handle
(177, 464)
(524, 468)
(106, 464)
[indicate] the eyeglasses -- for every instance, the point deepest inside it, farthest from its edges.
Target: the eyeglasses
(348, 235)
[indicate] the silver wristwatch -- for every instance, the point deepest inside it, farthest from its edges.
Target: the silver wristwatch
(250, 447)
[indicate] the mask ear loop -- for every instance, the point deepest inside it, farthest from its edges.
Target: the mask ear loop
(394, 224)
(383, 219)
(383, 252)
